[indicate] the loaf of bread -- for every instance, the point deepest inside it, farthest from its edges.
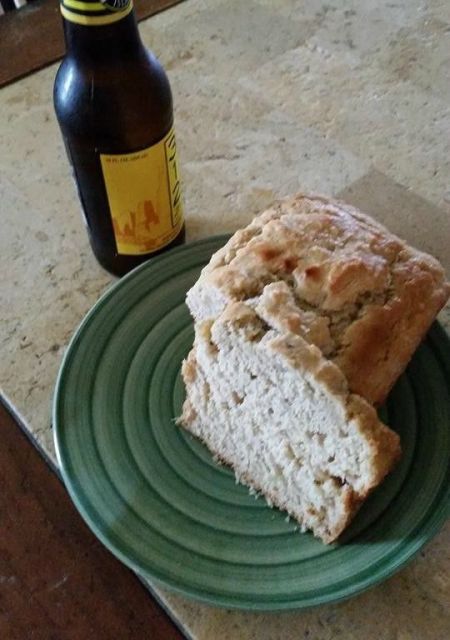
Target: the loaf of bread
(303, 321)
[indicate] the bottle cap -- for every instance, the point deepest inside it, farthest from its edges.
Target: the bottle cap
(95, 12)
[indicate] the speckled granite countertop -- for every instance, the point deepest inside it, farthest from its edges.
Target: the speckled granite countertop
(271, 96)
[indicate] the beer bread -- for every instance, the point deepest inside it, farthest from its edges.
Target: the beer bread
(303, 321)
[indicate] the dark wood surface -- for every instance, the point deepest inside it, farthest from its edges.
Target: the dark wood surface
(32, 37)
(57, 582)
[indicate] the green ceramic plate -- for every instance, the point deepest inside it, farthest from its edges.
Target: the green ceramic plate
(158, 501)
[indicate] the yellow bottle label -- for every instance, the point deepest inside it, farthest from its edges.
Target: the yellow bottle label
(144, 194)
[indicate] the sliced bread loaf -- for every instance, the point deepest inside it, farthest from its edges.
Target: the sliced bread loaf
(304, 320)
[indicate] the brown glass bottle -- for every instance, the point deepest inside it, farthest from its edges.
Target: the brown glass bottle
(112, 99)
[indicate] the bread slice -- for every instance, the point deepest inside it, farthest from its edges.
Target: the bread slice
(270, 405)
(323, 270)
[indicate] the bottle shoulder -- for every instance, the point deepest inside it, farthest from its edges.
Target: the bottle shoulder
(105, 100)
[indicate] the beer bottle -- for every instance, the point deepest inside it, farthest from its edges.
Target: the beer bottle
(114, 106)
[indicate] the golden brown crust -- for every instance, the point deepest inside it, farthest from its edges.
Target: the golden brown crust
(358, 292)
(189, 368)
(376, 348)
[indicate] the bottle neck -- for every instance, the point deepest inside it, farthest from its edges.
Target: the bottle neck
(110, 41)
